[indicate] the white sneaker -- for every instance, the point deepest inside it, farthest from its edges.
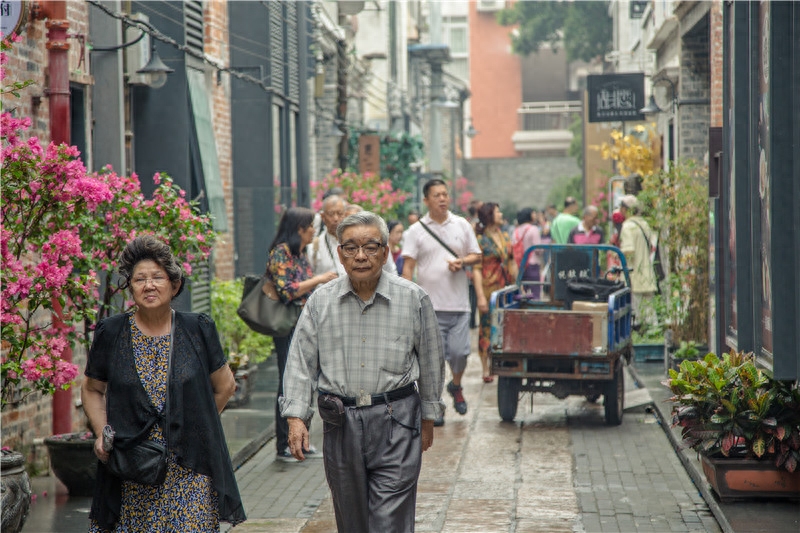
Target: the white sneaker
(286, 456)
(312, 452)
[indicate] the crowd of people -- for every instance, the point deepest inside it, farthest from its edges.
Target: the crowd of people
(384, 306)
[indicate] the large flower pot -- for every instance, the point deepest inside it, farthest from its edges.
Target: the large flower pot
(16, 491)
(73, 461)
(737, 478)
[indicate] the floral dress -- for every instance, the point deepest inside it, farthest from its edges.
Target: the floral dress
(496, 250)
(287, 271)
(186, 501)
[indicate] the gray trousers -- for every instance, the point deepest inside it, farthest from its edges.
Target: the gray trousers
(372, 461)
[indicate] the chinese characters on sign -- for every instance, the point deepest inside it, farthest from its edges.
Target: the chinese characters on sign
(615, 97)
(13, 15)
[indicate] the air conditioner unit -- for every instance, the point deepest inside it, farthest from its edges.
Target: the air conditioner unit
(137, 55)
(491, 5)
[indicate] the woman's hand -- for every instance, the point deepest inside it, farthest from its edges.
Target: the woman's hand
(483, 304)
(98, 449)
(326, 277)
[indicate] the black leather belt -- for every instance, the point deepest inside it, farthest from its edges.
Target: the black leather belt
(382, 398)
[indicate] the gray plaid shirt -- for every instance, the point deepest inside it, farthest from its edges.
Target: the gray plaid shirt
(348, 347)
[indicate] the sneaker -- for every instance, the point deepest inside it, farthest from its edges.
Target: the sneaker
(438, 422)
(286, 456)
(312, 452)
(459, 403)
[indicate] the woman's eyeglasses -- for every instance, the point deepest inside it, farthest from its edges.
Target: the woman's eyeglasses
(370, 249)
(158, 281)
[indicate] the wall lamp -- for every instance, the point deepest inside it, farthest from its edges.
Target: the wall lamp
(471, 131)
(154, 73)
(652, 107)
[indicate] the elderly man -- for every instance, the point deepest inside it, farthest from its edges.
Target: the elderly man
(587, 231)
(637, 242)
(369, 343)
(321, 252)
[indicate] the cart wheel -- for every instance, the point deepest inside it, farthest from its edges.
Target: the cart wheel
(507, 397)
(614, 401)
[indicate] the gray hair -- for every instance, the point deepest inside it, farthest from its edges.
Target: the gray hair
(590, 210)
(364, 218)
(332, 199)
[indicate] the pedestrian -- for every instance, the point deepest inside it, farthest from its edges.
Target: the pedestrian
(527, 234)
(396, 231)
(290, 271)
(321, 252)
(548, 215)
(637, 242)
(565, 221)
(439, 246)
(587, 231)
(495, 270)
(333, 191)
(126, 387)
(369, 344)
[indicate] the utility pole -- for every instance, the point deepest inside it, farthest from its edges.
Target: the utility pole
(435, 164)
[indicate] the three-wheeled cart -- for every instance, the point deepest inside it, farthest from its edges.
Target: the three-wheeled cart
(567, 334)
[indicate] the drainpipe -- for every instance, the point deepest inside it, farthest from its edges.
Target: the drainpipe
(58, 91)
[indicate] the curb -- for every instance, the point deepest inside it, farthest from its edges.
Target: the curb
(697, 476)
(253, 447)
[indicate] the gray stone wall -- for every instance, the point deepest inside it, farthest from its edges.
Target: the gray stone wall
(521, 182)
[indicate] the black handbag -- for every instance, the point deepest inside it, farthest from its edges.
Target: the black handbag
(262, 310)
(145, 462)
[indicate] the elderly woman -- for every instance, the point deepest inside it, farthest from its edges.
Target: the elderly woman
(126, 386)
(495, 270)
(294, 279)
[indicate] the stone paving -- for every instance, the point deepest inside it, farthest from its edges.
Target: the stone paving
(556, 469)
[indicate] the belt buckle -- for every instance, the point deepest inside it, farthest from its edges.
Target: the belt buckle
(363, 400)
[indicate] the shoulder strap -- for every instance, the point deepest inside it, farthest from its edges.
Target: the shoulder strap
(169, 371)
(649, 246)
(440, 241)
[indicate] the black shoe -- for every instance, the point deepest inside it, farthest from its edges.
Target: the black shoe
(459, 403)
(438, 422)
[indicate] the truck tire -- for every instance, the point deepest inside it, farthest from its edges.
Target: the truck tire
(507, 397)
(614, 398)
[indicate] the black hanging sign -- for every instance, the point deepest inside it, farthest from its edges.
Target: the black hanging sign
(615, 97)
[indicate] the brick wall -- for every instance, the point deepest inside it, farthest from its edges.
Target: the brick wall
(216, 47)
(716, 62)
(28, 61)
(695, 83)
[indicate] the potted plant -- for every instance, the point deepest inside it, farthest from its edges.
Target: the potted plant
(245, 347)
(744, 424)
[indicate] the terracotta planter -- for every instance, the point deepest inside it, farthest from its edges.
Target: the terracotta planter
(737, 478)
(16, 491)
(73, 461)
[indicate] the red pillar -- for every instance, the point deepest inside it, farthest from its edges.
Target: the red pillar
(58, 91)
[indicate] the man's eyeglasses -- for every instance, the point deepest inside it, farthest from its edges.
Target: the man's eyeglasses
(370, 249)
(158, 281)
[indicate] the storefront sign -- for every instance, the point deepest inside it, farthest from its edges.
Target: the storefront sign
(13, 16)
(615, 97)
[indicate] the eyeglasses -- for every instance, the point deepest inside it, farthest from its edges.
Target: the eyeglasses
(370, 249)
(158, 281)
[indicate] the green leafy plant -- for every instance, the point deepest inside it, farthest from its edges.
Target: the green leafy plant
(676, 203)
(729, 406)
(687, 350)
(240, 342)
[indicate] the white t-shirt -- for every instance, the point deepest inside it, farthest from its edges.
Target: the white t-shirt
(324, 257)
(449, 291)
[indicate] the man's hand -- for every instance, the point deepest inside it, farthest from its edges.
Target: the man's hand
(427, 434)
(455, 264)
(298, 437)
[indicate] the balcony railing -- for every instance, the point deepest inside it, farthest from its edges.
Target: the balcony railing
(544, 126)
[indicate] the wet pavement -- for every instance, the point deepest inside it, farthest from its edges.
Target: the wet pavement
(557, 468)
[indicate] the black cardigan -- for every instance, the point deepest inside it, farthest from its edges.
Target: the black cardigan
(195, 433)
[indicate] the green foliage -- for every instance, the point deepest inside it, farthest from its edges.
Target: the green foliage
(687, 350)
(585, 26)
(731, 407)
(676, 206)
(237, 339)
(572, 186)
